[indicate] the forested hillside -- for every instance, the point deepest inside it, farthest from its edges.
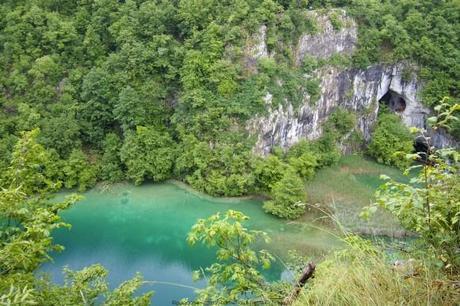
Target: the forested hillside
(145, 91)
(150, 90)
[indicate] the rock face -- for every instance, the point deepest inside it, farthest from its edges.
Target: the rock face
(357, 90)
(329, 41)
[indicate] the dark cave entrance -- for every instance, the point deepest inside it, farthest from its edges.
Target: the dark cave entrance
(421, 147)
(394, 101)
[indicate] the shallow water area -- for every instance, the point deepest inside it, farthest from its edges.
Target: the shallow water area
(131, 229)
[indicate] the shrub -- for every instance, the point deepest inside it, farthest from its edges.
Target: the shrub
(268, 171)
(340, 122)
(78, 172)
(235, 278)
(391, 140)
(148, 154)
(326, 150)
(302, 158)
(304, 165)
(288, 197)
(430, 204)
(313, 89)
(334, 18)
(31, 167)
(110, 169)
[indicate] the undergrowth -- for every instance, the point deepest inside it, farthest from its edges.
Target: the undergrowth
(361, 274)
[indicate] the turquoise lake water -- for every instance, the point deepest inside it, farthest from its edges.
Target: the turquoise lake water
(131, 229)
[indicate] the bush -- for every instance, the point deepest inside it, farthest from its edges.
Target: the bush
(288, 197)
(326, 150)
(340, 122)
(304, 165)
(148, 154)
(111, 166)
(391, 140)
(335, 20)
(302, 158)
(313, 89)
(236, 278)
(30, 166)
(430, 204)
(268, 171)
(78, 172)
(217, 169)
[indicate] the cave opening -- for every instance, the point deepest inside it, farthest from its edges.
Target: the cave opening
(421, 147)
(394, 101)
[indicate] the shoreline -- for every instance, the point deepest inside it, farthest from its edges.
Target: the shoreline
(104, 187)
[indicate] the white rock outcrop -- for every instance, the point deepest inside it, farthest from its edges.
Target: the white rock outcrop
(357, 90)
(329, 41)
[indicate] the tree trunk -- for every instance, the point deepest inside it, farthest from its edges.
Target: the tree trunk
(307, 273)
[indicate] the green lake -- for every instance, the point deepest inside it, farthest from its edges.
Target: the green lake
(131, 229)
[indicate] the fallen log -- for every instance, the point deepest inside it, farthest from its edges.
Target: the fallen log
(307, 273)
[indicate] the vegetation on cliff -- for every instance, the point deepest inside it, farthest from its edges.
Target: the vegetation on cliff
(100, 77)
(95, 90)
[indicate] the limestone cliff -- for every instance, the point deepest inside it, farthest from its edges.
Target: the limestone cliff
(358, 90)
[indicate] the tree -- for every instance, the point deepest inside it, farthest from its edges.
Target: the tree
(288, 197)
(235, 278)
(430, 204)
(27, 219)
(305, 165)
(61, 132)
(111, 165)
(78, 172)
(99, 95)
(30, 166)
(391, 140)
(148, 154)
(129, 111)
(268, 171)
(218, 168)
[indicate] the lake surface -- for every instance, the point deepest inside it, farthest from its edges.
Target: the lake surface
(131, 229)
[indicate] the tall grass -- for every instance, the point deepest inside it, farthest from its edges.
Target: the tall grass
(362, 275)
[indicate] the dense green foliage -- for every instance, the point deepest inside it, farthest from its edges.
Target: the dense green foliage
(288, 197)
(430, 204)
(126, 83)
(27, 218)
(30, 166)
(431, 210)
(391, 140)
(425, 32)
(78, 172)
(220, 169)
(111, 165)
(148, 90)
(148, 153)
(89, 73)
